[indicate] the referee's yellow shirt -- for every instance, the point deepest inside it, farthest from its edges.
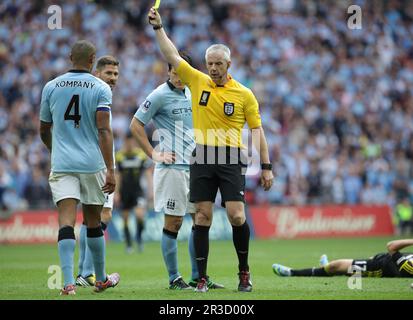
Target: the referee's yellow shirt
(219, 112)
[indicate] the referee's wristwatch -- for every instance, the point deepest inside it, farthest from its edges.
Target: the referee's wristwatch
(157, 27)
(266, 166)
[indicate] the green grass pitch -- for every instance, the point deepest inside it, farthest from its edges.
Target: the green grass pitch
(24, 272)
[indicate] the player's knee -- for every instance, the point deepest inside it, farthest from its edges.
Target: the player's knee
(332, 268)
(173, 224)
(177, 225)
(125, 216)
(106, 215)
(337, 267)
(202, 217)
(237, 219)
(93, 221)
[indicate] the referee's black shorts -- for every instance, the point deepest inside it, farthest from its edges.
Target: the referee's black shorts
(223, 168)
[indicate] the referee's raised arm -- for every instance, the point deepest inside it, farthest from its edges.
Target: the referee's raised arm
(166, 46)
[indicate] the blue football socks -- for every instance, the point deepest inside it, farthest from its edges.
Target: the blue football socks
(169, 251)
(192, 255)
(66, 247)
(96, 244)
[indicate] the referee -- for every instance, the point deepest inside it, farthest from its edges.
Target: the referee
(220, 108)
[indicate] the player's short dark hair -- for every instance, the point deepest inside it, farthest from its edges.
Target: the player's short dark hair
(184, 56)
(106, 60)
(81, 51)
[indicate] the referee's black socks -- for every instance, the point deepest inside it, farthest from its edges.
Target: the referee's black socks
(241, 239)
(201, 243)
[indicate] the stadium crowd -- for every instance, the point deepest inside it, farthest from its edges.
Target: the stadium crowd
(336, 103)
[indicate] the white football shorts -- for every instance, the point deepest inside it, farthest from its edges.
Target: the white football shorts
(85, 187)
(171, 192)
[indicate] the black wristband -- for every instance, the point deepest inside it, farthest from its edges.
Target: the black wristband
(157, 27)
(266, 166)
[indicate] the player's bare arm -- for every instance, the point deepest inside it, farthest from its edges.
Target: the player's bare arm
(106, 147)
(116, 198)
(261, 144)
(149, 181)
(397, 245)
(46, 134)
(138, 131)
(166, 46)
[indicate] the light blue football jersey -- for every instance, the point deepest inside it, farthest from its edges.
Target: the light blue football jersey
(171, 111)
(70, 102)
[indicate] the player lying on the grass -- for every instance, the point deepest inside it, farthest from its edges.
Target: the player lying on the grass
(107, 69)
(169, 107)
(387, 265)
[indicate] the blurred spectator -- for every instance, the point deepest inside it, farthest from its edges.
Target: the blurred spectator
(37, 191)
(5, 183)
(404, 217)
(314, 183)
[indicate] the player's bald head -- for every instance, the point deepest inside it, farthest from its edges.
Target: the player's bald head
(83, 53)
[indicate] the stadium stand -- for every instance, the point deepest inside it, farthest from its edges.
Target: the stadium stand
(337, 104)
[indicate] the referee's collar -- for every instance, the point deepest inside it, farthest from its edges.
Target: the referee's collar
(228, 84)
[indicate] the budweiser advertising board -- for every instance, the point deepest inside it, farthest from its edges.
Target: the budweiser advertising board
(32, 227)
(321, 221)
(268, 222)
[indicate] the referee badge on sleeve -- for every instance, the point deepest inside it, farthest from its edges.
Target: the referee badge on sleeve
(204, 98)
(228, 108)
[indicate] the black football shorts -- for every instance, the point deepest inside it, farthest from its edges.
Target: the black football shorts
(207, 178)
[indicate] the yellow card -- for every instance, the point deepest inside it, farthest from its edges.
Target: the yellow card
(157, 4)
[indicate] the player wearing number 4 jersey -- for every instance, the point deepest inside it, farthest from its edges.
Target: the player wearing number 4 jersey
(77, 106)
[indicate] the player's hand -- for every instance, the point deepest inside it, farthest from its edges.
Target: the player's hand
(154, 17)
(110, 184)
(164, 157)
(266, 179)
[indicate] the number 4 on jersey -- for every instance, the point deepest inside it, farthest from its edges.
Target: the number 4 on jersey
(76, 116)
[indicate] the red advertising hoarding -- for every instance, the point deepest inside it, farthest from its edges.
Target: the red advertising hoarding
(32, 227)
(321, 221)
(268, 222)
